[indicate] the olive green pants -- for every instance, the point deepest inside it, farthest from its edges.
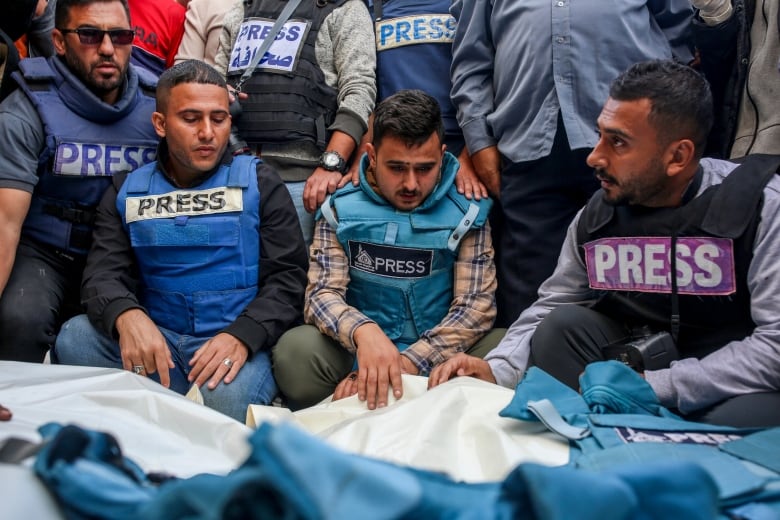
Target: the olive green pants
(309, 365)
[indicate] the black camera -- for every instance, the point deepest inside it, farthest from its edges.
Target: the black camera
(236, 145)
(644, 351)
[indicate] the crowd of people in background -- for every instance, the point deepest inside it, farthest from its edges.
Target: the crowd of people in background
(436, 160)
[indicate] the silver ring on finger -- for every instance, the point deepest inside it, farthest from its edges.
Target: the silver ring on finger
(138, 369)
(227, 362)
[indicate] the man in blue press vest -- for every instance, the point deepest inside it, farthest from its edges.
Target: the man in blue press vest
(78, 118)
(198, 263)
(402, 274)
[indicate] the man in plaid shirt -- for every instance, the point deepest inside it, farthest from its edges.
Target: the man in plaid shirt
(401, 271)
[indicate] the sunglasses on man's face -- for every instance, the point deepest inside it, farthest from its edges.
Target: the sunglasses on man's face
(90, 36)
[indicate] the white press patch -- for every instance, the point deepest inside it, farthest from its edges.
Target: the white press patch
(414, 29)
(283, 53)
(183, 202)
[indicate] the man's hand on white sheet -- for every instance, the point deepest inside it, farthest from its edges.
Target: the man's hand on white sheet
(460, 365)
(218, 360)
(142, 345)
(379, 366)
(349, 385)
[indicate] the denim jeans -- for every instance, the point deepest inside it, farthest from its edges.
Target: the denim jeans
(305, 218)
(79, 343)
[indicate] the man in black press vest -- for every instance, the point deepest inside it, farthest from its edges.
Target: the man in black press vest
(674, 257)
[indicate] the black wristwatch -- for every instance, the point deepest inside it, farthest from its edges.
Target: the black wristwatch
(333, 162)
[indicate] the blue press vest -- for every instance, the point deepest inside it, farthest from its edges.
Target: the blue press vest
(401, 262)
(87, 141)
(411, 33)
(198, 253)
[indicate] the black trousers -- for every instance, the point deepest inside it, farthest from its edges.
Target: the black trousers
(572, 336)
(41, 293)
(538, 202)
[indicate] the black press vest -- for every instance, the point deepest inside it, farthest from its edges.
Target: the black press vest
(709, 315)
(285, 106)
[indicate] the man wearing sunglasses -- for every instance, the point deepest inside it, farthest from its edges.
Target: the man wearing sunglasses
(78, 118)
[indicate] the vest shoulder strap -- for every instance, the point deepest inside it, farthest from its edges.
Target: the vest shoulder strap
(594, 216)
(139, 181)
(742, 191)
(147, 82)
(242, 169)
(465, 205)
(36, 69)
(118, 179)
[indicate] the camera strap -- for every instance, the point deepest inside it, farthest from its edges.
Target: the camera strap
(288, 10)
(674, 329)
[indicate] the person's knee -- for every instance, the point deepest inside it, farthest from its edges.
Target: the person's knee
(253, 385)
(28, 327)
(554, 328)
(293, 350)
(72, 339)
(26, 314)
(307, 366)
(566, 340)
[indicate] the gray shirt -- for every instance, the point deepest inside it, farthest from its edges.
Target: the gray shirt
(23, 138)
(739, 367)
(516, 64)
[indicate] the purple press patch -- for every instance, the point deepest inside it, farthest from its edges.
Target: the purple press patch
(705, 265)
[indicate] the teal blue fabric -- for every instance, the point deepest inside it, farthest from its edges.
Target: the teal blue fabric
(293, 475)
(88, 475)
(628, 426)
(538, 384)
(762, 448)
(612, 387)
(637, 492)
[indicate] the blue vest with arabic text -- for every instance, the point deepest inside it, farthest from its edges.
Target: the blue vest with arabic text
(197, 249)
(401, 263)
(87, 141)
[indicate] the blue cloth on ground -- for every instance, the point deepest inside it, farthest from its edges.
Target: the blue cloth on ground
(617, 420)
(291, 474)
(88, 474)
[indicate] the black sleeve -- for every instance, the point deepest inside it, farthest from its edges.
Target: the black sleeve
(110, 276)
(719, 49)
(283, 267)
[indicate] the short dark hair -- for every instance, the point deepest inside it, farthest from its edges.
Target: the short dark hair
(188, 71)
(409, 115)
(62, 10)
(680, 99)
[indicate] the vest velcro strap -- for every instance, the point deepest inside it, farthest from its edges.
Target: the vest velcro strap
(545, 411)
(323, 100)
(327, 213)
(322, 133)
(75, 215)
(391, 233)
(463, 226)
(283, 107)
